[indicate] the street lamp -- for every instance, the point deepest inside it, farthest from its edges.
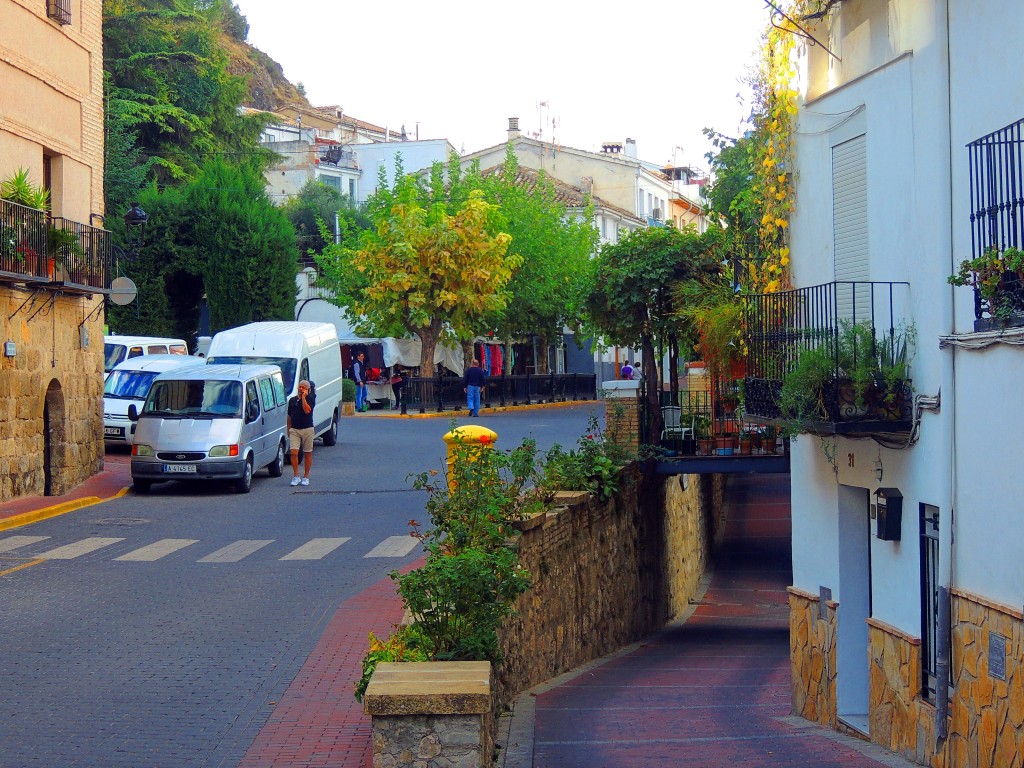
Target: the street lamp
(136, 219)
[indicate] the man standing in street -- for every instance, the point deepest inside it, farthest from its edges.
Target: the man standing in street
(359, 376)
(474, 379)
(300, 431)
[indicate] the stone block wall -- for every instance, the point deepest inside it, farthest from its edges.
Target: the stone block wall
(812, 655)
(604, 574)
(986, 712)
(51, 371)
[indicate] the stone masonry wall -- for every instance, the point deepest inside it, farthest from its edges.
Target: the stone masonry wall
(622, 420)
(605, 574)
(49, 367)
(812, 655)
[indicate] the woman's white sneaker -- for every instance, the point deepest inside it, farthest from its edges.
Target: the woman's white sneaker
(296, 481)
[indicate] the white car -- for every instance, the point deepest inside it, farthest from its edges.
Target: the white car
(128, 383)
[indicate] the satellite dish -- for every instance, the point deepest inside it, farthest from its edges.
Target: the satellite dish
(123, 291)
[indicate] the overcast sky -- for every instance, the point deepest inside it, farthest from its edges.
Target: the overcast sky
(656, 71)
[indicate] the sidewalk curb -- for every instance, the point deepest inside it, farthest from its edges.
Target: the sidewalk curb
(463, 414)
(27, 518)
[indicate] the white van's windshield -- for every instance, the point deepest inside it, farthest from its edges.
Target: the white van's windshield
(192, 399)
(112, 355)
(129, 385)
(286, 364)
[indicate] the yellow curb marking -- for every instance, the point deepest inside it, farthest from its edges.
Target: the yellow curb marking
(23, 565)
(27, 518)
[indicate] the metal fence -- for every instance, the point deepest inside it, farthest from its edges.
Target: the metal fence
(37, 248)
(445, 393)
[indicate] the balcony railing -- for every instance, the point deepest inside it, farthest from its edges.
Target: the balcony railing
(997, 221)
(831, 359)
(58, 252)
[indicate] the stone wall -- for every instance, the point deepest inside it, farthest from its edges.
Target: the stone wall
(50, 380)
(812, 655)
(605, 574)
(986, 713)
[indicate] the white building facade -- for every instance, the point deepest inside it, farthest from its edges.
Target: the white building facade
(911, 631)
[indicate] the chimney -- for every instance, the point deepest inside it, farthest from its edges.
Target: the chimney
(587, 183)
(513, 128)
(611, 147)
(630, 148)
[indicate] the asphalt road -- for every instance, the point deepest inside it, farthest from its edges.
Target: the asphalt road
(156, 630)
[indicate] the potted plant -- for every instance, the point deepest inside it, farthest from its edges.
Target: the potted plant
(729, 400)
(998, 277)
(702, 431)
(746, 443)
(770, 438)
(62, 246)
(348, 397)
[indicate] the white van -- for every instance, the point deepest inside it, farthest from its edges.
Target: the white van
(117, 349)
(301, 350)
(129, 383)
(210, 422)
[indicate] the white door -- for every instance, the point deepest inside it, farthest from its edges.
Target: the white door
(852, 660)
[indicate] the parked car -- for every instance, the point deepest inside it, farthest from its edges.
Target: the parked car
(210, 422)
(301, 350)
(117, 349)
(129, 383)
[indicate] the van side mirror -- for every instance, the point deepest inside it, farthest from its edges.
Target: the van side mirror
(133, 413)
(252, 411)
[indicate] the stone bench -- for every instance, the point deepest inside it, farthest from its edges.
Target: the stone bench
(431, 714)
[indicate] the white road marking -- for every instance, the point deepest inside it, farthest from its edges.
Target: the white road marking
(394, 546)
(235, 552)
(14, 542)
(315, 549)
(157, 549)
(79, 548)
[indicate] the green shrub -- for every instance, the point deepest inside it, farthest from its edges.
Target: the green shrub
(404, 644)
(348, 391)
(593, 466)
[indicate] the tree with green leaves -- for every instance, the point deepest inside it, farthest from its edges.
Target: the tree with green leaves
(631, 299)
(170, 100)
(218, 235)
(312, 213)
(433, 265)
(555, 246)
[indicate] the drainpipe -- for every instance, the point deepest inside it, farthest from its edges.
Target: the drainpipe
(943, 641)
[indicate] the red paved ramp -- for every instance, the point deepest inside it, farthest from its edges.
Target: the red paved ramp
(713, 691)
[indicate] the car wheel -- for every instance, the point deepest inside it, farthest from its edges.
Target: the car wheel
(244, 483)
(276, 467)
(331, 435)
(142, 486)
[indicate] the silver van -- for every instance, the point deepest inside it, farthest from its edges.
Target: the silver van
(213, 422)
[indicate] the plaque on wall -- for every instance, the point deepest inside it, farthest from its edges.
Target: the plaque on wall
(996, 656)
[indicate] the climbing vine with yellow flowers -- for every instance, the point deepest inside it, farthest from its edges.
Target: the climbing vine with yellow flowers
(775, 108)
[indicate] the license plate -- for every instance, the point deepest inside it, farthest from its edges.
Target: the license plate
(184, 468)
(114, 431)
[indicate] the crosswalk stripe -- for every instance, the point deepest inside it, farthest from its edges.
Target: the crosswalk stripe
(83, 547)
(157, 549)
(235, 552)
(394, 546)
(315, 549)
(14, 542)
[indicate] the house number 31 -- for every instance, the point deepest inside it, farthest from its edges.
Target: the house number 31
(849, 460)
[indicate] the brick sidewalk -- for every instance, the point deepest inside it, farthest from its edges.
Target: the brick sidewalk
(713, 691)
(318, 722)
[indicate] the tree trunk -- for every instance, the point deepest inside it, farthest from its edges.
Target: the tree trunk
(468, 353)
(652, 385)
(542, 355)
(506, 360)
(428, 336)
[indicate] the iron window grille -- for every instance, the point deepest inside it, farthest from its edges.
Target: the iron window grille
(59, 11)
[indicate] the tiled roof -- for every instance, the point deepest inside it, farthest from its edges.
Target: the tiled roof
(568, 195)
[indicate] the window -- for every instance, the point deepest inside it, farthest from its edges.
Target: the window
(331, 181)
(250, 397)
(929, 599)
(59, 11)
(267, 393)
(352, 189)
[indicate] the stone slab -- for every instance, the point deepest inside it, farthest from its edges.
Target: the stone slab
(429, 687)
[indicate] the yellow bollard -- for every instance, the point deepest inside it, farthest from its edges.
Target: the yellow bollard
(474, 438)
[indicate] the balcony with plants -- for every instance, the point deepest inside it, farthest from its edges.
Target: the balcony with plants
(831, 359)
(49, 252)
(996, 268)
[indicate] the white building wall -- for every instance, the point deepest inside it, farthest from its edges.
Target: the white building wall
(416, 155)
(988, 94)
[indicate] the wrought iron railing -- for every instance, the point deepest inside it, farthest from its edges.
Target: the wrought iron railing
(22, 241)
(83, 254)
(59, 11)
(997, 213)
(444, 393)
(35, 248)
(857, 331)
